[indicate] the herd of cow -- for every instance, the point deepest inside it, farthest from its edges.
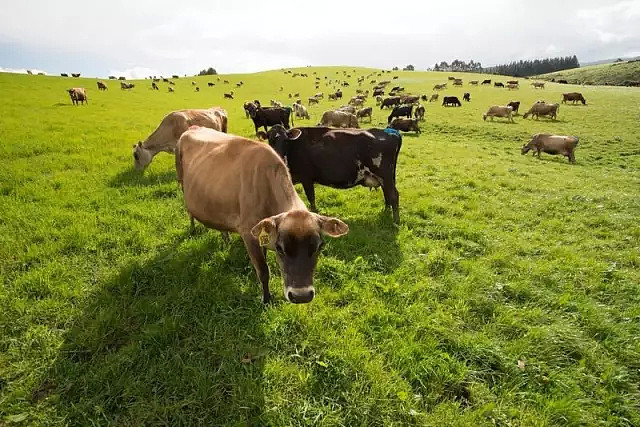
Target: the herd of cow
(234, 184)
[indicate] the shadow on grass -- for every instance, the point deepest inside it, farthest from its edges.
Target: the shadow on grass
(133, 178)
(165, 340)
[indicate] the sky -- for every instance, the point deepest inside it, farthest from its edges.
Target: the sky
(142, 38)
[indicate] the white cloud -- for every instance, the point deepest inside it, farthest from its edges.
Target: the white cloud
(135, 72)
(21, 70)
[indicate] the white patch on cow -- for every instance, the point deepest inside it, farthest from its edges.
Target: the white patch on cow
(366, 178)
(377, 161)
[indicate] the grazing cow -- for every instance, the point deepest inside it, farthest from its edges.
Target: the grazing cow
(466, 97)
(397, 89)
(75, 74)
(345, 84)
(233, 184)
(542, 109)
(486, 82)
(228, 95)
(174, 124)
(365, 112)
(512, 86)
(473, 83)
(126, 86)
(64, 74)
(313, 100)
(378, 99)
(538, 85)
(193, 83)
(515, 106)
(440, 87)
(377, 92)
(301, 111)
(165, 80)
(390, 101)
(339, 119)
(171, 90)
(552, 144)
(451, 101)
(405, 125)
(175, 76)
(341, 158)
(573, 96)
(562, 81)
(401, 111)
(410, 99)
(197, 89)
(171, 82)
(425, 98)
(122, 78)
(319, 95)
(419, 113)
(78, 95)
(512, 82)
(451, 78)
(102, 86)
(154, 86)
(211, 84)
(498, 84)
(499, 111)
(434, 97)
(225, 82)
(29, 72)
(356, 101)
(112, 77)
(457, 82)
(264, 117)
(333, 97)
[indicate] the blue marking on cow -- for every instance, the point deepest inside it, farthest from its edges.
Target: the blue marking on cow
(391, 131)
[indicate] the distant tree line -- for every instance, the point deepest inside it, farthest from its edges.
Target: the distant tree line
(208, 72)
(458, 65)
(534, 67)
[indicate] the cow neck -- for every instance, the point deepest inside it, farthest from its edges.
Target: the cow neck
(160, 140)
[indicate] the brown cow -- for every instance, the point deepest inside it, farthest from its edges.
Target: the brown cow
(552, 144)
(499, 111)
(102, 86)
(174, 124)
(541, 109)
(233, 184)
(405, 125)
(339, 119)
(434, 97)
(78, 95)
(365, 112)
(573, 96)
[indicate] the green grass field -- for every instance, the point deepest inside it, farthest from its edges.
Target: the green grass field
(615, 74)
(509, 294)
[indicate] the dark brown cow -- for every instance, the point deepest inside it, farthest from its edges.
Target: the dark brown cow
(102, 86)
(405, 124)
(78, 95)
(515, 106)
(400, 111)
(574, 97)
(448, 101)
(264, 117)
(341, 158)
(390, 101)
(233, 184)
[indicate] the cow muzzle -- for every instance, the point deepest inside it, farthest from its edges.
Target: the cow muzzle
(299, 295)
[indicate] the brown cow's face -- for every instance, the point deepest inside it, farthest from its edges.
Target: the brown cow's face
(296, 236)
(141, 157)
(526, 148)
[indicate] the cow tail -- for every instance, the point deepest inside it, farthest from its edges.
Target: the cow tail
(291, 114)
(395, 164)
(179, 170)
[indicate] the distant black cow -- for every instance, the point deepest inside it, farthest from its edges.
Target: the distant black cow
(467, 97)
(154, 86)
(562, 81)
(211, 84)
(498, 84)
(75, 74)
(401, 111)
(264, 117)
(122, 78)
(397, 89)
(112, 77)
(451, 101)
(390, 101)
(515, 105)
(64, 74)
(377, 92)
(341, 158)
(486, 82)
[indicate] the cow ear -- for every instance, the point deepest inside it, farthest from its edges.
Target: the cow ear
(265, 232)
(294, 134)
(332, 226)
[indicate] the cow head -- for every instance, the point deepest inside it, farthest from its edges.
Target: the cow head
(527, 147)
(296, 237)
(141, 156)
(279, 139)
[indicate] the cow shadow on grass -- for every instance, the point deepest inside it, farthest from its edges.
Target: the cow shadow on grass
(134, 178)
(167, 340)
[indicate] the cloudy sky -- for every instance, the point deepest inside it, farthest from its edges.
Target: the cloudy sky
(139, 38)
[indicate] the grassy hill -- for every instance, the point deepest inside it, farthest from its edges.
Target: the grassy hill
(616, 74)
(508, 295)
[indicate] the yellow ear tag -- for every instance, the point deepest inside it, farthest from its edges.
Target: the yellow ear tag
(263, 238)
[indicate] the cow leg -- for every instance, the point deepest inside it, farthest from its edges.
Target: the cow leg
(192, 229)
(259, 261)
(311, 194)
(392, 198)
(572, 158)
(225, 237)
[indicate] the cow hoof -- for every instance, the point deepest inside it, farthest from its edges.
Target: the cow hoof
(267, 299)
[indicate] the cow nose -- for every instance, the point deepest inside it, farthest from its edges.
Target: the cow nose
(301, 296)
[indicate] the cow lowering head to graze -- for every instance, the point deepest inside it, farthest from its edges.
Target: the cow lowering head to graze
(313, 100)
(457, 82)
(154, 86)
(440, 87)
(434, 97)
(574, 97)
(341, 158)
(486, 82)
(122, 78)
(377, 92)
(228, 95)
(541, 109)
(78, 95)
(515, 106)
(552, 144)
(498, 84)
(339, 119)
(400, 111)
(405, 124)
(466, 97)
(562, 81)
(473, 83)
(512, 82)
(210, 84)
(390, 101)
(300, 111)
(499, 111)
(75, 74)
(365, 112)
(448, 101)
(171, 90)
(538, 85)
(512, 86)
(101, 85)
(419, 113)
(265, 117)
(174, 124)
(64, 74)
(410, 99)
(233, 184)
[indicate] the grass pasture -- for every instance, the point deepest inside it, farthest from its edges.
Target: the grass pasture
(614, 74)
(508, 295)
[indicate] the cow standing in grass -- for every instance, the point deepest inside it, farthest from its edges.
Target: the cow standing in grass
(552, 144)
(78, 95)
